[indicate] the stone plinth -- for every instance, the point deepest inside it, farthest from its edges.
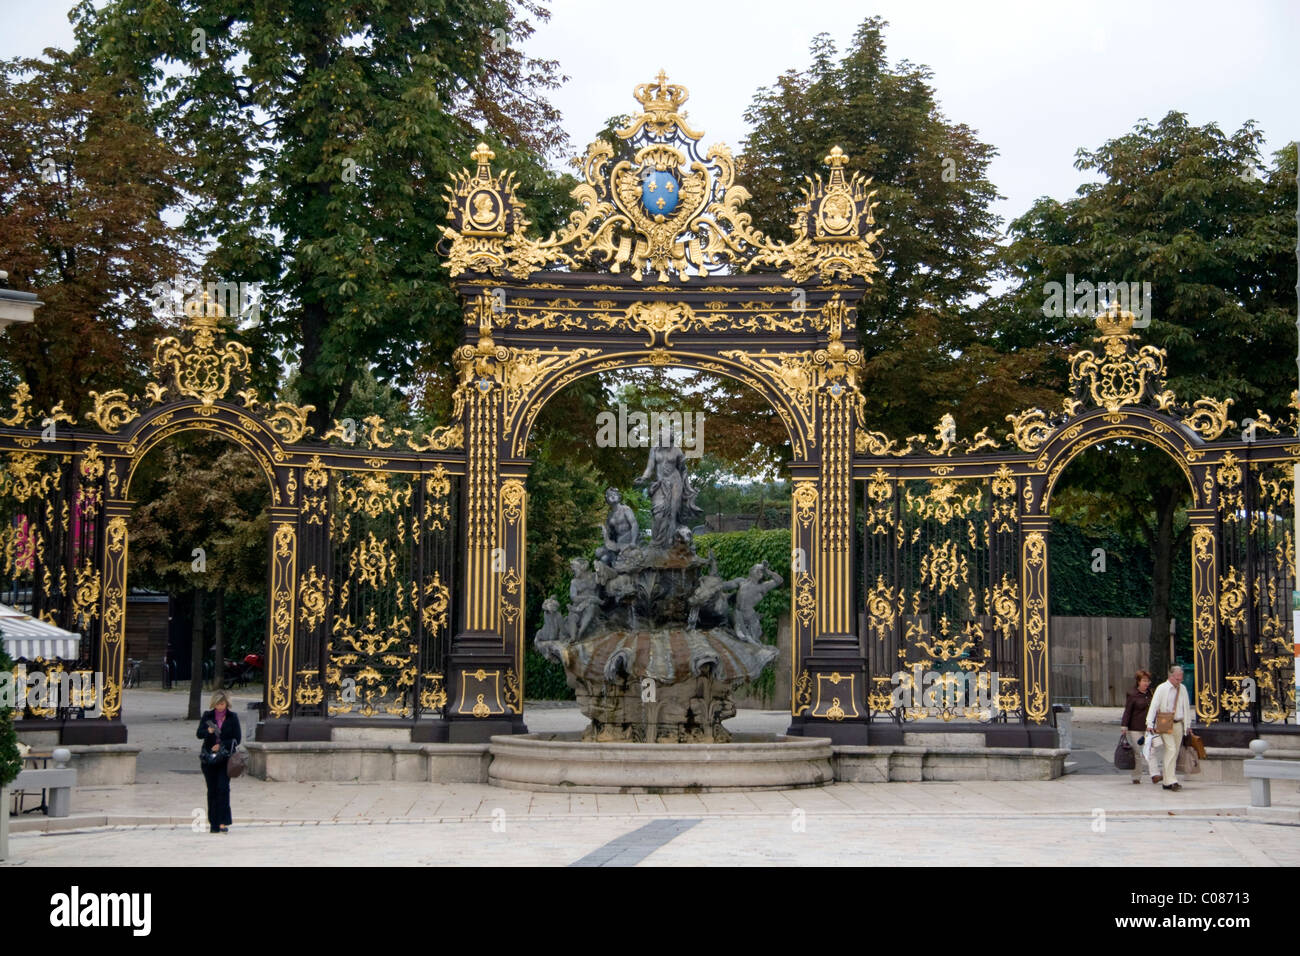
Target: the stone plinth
(563, 763)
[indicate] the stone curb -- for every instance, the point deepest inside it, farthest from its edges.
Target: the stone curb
(1281, 815)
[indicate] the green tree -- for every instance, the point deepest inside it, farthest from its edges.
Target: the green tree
(84, 179)
(923, 355)
(323, 141)
(10, 761)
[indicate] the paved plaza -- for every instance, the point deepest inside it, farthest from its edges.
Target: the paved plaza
(1092, 816)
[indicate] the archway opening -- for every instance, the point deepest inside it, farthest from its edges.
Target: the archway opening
(1120, 575)
(594, 434)
(196, 607)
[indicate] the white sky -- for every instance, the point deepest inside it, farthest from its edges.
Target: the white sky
(1037, 80)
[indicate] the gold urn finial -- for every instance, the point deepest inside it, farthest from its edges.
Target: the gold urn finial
(483, 155)
(837, 158)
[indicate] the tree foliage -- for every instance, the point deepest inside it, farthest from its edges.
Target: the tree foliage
(11, 763)
(322, 143)
(84, 180)
(924, 355)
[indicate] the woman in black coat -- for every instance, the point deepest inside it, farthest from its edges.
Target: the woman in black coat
(219, 731)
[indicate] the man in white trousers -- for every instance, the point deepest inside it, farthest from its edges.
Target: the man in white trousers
(1171, 696)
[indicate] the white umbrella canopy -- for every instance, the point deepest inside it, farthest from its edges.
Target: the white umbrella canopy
(27, 638)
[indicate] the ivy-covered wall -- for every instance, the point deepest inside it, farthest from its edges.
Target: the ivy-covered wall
(1123, 589)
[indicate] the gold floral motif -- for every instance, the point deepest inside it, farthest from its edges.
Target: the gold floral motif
(514, 692)
(290, 422)
(805, 502)
(805, 599)
(308, 695)
(23, 478)
(315, 479)
(21, 402)
(314, 593)
(373, 562)
(1005, 603)
(512, 499)
(802, 692)
(884, 604)
(1232, 599)
(85, 602)
(437, 599)
(943, 568)
(946, 645)
(433, 695)
(1210, 418)
(1029, 429)
(945, 501)
(112, 411)
(373, 496)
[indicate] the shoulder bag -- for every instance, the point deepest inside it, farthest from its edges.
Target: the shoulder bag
(1165, 718)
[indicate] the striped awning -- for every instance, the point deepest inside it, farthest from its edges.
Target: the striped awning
(26, 638)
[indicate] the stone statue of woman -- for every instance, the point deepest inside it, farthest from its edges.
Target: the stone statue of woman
(672, 499)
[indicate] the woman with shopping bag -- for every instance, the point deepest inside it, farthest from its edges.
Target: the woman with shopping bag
(1136, 705)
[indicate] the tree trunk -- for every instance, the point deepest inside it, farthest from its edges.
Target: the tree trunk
(196, 656)
(219, 634)
(1164, 544)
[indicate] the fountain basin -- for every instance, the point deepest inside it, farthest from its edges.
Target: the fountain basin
(565, 763)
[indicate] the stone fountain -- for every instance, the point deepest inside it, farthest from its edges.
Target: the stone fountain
(655, 642)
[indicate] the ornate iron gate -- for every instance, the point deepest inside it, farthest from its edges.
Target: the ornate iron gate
(397, 567)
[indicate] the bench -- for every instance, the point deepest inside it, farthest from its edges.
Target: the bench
(58, 781)
(1261, 772)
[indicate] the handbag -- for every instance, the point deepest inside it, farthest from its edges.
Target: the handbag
(1165, 718)
(236, 765)
(1125, 759)
(213, 758)
(1195, 742)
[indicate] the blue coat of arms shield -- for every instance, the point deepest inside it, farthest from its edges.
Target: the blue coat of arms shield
(659, 192)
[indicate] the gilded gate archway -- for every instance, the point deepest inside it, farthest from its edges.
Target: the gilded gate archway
(659, 266)
(360, 545)
(978, 510)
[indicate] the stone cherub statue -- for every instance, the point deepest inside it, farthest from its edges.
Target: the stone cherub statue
(553, 631)
(712, 594)
(749, 591)
(672, 499)
(620, 529)
(584, 598)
